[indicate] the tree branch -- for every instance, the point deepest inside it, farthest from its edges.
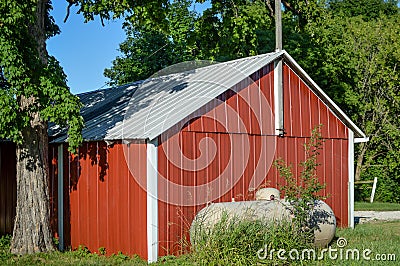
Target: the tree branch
(288, 6)
(71, 3)
(270, 8)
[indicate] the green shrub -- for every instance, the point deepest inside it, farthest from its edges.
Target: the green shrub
(5, 247)
(303, 193)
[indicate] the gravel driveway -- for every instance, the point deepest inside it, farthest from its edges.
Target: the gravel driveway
(368, 216)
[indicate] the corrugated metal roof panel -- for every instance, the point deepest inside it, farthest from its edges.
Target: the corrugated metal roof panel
(101, 110)
(145, 109)
(160, 103)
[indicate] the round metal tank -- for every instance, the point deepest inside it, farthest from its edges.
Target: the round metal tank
(324, 221)
(271, 211)
(268, 193)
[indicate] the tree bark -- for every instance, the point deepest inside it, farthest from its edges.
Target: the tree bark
(32, 222)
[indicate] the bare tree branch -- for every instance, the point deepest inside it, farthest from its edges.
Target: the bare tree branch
(70, 3)
(270, 8)
(288, 6)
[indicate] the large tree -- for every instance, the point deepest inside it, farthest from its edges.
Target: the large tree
(225, 30)
(33, 92)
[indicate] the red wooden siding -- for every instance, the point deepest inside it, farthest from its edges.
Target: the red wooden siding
(104, 206)
(175, 220)
(303, 110)
(209, 139)
(8, 187)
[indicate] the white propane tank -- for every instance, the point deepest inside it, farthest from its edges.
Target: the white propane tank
(268, 193)
(270, 211)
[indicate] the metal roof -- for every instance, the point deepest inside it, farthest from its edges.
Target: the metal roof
(101, 110)
(146, 109)
(160, 103)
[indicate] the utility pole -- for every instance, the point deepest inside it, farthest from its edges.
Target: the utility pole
(278, 25)
(278, 73)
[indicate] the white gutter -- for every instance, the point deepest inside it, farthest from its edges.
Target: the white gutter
(152, 201)
(359, 140)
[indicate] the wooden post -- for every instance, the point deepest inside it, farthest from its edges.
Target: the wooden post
(373, 189)
(278, 25)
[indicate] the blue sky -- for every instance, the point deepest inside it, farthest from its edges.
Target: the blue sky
(84, 49)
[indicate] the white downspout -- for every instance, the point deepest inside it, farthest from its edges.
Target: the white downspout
(152, 201)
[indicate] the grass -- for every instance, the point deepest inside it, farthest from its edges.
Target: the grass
(382, 238)
(236, 242)
(379, 237)
(376, 206)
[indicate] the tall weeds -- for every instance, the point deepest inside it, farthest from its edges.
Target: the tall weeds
(237, 242)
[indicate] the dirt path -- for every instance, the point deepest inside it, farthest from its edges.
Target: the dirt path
(368, 216)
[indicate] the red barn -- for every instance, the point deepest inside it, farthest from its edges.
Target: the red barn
(158, 151)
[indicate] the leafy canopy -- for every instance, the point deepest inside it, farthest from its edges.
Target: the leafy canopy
(25, 75)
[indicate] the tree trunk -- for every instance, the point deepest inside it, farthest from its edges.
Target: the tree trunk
(360, 160)
(32, 221)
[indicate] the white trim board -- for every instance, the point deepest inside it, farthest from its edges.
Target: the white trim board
(351, 178)
(152, 200)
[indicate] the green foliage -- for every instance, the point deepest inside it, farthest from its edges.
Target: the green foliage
(5, 247)
(102, 251)
(147, 50)
(302, 192)
(120, 256)
(357, 65)
(224, 31)
(151, 13)
(27, 72)
(237, 241)
(233, 29)
(367, 9)
(380, 237)
(83, 251)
